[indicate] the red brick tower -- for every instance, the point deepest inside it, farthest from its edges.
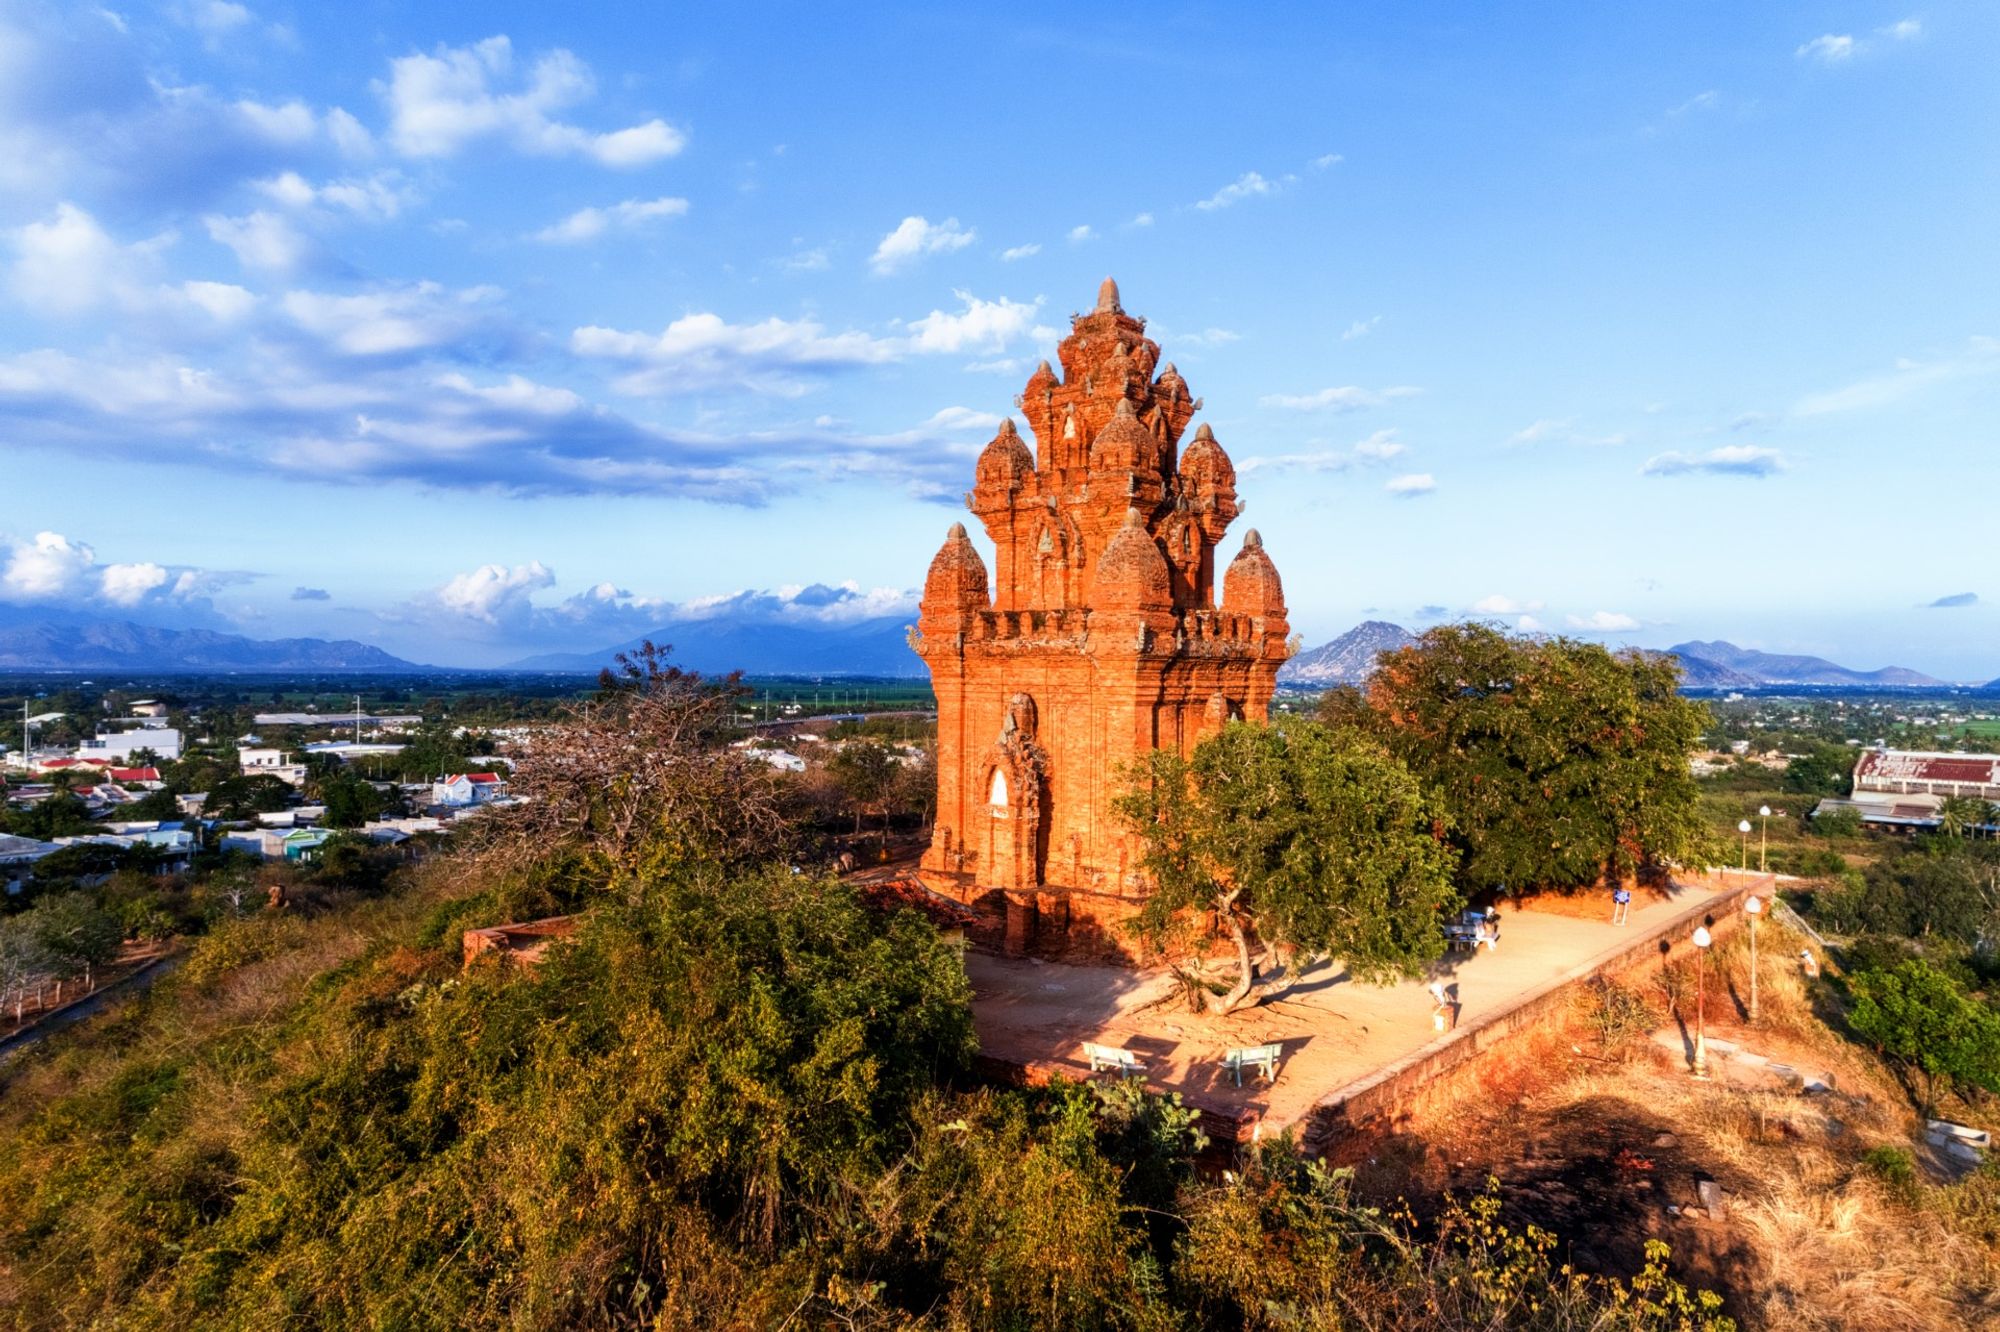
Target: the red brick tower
(1099, 637)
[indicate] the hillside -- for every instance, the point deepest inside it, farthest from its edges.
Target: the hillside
(1767, 668)
(1348, 659)
(122, 645)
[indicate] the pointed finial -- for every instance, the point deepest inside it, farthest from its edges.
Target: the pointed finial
(1203, 432)
(1107, 296)
(1168, 369)
(1253, 540)
(1006, 426)
(1133, 518)
(957, 532)
(1124, 408)
(1043, 369)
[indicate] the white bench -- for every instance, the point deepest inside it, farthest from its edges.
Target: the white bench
(1123, 1062)
(1264, 1057)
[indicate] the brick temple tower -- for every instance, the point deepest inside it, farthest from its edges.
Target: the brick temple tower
(1098, 636)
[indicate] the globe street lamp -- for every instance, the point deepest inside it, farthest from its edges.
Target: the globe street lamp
(1702, 939)
(1744, 828)
(1763, 837)
(1753, 907)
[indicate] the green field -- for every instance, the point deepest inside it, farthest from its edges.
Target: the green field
(1981, 730)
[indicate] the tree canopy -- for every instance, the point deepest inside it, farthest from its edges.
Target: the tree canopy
(1918, 1016)
(1303, 835)
(1558, 760)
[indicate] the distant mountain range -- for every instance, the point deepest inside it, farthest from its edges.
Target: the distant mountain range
(1350, 659)
(97, 645)
(877, 647)
(1722, 665)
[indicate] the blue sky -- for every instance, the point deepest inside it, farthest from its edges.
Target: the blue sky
(474, 331)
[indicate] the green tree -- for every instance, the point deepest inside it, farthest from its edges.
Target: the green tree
(1308, 837)
(1821, 770)
(1559, 761)
(76, 931)
(350, 801)
(865, 771)
(1959, 815)
(243, 797)
(1919, 1017)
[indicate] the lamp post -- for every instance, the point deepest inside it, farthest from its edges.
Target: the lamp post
(1753, 907)
(1763, 837)
(1702, 939)
(1744, 828)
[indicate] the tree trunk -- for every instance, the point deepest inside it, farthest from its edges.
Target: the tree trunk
(1230, 1002)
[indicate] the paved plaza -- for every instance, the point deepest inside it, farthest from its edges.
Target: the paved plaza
(1338, 1035)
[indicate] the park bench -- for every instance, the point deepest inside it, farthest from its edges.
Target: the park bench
(1123, 1062)
(1253, 1056)
(1471, 929)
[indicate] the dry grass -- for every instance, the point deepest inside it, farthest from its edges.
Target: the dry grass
(1813, 1238)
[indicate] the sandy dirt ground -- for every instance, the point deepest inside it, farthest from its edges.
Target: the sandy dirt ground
(1335, 1031)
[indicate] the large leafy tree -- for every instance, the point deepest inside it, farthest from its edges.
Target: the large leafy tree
(1304, 836)
(1559, 761)
(1940, 1036)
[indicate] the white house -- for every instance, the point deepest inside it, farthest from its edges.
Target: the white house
(462, 789)
(270, 763)
(120, 746)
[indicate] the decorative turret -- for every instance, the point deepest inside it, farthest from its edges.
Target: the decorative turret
(1251, 586)
(1132, 575)
(1107, 298)
(1124, 445)
(955, 587)
(1005, 463)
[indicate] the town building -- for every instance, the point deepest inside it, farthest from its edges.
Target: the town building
(1098, 637)
(1907, 788)
(119, 746)
(462, 789)
(260, 762)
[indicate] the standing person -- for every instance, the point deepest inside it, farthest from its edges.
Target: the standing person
(1808, 964)
(1440, 1006)
(1621, 905)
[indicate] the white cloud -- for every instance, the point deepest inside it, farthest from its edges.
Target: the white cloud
(916, 237)
(1528, 624)
(1504, 605)
(1602, 622)
(1706, 100)
(389, 320)
(223, 301)
(1081, 233)
(260, 240)
(1361, 328)
(1346, 398)
(1141, 220)
(1539, 431)
(1906, 30)
(781, 356)
(707, 351)
(1412, 485)
(1380, 447)
(1249, 185)
(493, 593)
(375, 198)
(815, 260)
(66, 264)
(1980, 357)
(981, 325)
(130, 584)
(1207, 337)
(1828, 49)
(50, 567)
(589, 223)
(1014, 252)
(1325, 160)
(440, 103)
(1730, 460)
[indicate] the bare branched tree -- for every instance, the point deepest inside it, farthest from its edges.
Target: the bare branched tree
(640, 779)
